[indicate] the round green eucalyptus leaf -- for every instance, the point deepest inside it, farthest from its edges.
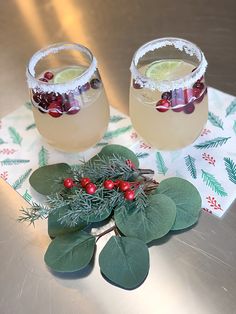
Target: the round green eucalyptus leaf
(119, 150)
(70, 252)
(125, 261)
(152, 223)
(96, 214)
(46, 180)
(186, 198)
(55, 228)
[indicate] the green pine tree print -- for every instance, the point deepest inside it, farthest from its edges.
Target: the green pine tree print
(234, 127)
(231, 109)
(215, 120)
(218, 141)
(190, 163)
(142, 155)
(10, 162)
(15, 136)
(212, 183)
(18, 183)
(116, 118)
(161, 167)
(230, 167)
(111, 134)
(43, 157)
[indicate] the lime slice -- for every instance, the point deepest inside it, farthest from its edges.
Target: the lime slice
(68, 74)
(164, 70)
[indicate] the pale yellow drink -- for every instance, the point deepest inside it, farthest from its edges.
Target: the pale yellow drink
(76, 131)
(168, 130)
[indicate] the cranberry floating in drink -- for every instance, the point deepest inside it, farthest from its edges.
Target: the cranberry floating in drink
(168, 99)
(70, 107)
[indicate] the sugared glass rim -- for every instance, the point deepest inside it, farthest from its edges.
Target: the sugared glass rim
(60, 88)
(166, 85)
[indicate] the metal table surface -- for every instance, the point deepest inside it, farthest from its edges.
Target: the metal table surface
(192, 272)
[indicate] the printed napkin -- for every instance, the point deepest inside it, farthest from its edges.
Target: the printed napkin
(209, 163)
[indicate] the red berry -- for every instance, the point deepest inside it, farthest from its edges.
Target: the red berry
(95, 83)
(136, 85)
(90, 188)
(43, 106)
(189, 108)
(68, 183)
(198, 85)
(130, 164)
(124, 185)
(108, 184)
(71, 107)
(55, 109)
(43, 79)
(163, 105)
(196, 92)
(188, 95)
(84, 182)
(59, 99)
(48, 75)
(84, 87)
(129, 195)
(116, 183)
(166, 95)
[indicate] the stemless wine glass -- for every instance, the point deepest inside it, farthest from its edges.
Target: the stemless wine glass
(168, 93)
(70, 106)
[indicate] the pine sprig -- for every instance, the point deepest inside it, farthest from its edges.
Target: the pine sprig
(161, 167)
(215, 120)
(218, 141)
(231, 108)
(34, 213)
(190, 163)
(15, 136)
(211, 181)
(18, 183)
(230, 167)
(9, 162)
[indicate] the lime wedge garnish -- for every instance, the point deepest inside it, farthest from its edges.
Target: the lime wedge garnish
(164, 70)
(68, 74)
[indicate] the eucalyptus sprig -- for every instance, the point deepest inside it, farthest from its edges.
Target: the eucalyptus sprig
(140, 209)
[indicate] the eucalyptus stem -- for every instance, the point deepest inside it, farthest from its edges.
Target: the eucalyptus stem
(106, 231)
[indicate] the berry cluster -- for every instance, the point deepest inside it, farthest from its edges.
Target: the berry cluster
(85, 183)
(56, 104)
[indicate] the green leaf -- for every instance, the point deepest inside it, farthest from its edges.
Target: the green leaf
(231, 108)
(31, 126)
(55, 228)
(125, 261)
(9, 162)
(218, 141)
(186, 198)
(111, 134)
(161, 167)
(211, 181)
(18, 183)
(215, 120)
(43, 157)
(48, 179)
(190, 163)
(234, 127)
(119, 150)
(116, 118)
(15, 136)
(70, 252)
(149, 224)
(230, 167)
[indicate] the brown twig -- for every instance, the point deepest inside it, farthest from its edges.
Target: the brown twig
(106, 231)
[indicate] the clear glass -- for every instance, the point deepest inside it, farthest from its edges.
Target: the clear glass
(70, 107)
(168, 95)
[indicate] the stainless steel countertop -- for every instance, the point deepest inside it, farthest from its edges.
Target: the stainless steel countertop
(192, 272)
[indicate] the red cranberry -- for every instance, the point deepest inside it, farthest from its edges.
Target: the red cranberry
(84, 87)
(108, 184)
(37, 97)
(69, 96)
(43, 79)
(43, 106)
(90, 188)
(188, 95)
(196, 92)
(49, 97)
(55, 109)
(71, 107)
(95, 83)
(163, 105)
(189, 108)
(48, 75)
(179, 109)
(124, 185)
(129, 195)
(136, 85)
(198, 85)
(59, 99)
(68, 183)
(84, 182)
(166, 95)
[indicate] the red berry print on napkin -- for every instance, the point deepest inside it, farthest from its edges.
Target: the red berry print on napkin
(209, 159)
(213, 203)
(205, 132)
(145, 146)
(207, 210)
(4, 175)
(7, 151)
(133, 135)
